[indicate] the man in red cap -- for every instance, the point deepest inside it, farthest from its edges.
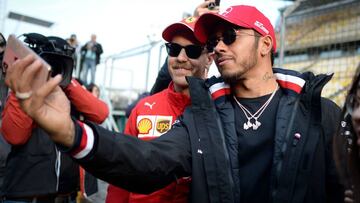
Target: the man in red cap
(263, 134)
(154, 115)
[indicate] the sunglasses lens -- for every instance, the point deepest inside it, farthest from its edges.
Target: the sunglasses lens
(173, 49)
(229, 36)
(193, 51)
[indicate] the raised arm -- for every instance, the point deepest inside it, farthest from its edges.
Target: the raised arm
(16, 125)
(91, 107)
(124, 161)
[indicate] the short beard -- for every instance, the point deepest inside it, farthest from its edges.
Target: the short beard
(233, 78)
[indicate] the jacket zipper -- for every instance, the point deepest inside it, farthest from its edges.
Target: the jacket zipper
(283, 149)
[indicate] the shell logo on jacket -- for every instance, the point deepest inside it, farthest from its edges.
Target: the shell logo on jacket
(151, 126)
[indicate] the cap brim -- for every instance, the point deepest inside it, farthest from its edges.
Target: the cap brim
(207, 21)
(174, 29)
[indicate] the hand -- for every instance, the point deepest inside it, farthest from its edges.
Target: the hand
(47, 106)
(349, 196)
(203, 8)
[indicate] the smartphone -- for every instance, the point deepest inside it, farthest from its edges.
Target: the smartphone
(16, 49)
(212, 5)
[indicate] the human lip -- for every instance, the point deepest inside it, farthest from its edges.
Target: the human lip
(181, 67)
(222, 60)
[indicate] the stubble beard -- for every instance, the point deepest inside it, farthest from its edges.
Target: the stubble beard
(244, 66)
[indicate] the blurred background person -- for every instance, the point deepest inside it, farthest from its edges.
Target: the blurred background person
(73, 41)
(90, 57)
(94, 89)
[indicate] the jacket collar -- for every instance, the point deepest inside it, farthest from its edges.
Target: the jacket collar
(292, 82)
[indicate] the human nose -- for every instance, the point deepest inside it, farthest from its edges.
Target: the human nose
(220, 45)
(182, 55)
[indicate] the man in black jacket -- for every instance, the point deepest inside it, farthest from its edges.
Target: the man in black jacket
(90, 58)
(261, 135)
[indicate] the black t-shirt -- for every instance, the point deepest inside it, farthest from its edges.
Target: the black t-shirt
(256, 148)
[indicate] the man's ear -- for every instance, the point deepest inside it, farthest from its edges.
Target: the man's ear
(266, 45)
(210, 59)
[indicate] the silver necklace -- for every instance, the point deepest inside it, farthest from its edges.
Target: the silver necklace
(249, 116)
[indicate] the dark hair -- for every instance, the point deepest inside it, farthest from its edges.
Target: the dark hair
(345, 149)
(91, 86)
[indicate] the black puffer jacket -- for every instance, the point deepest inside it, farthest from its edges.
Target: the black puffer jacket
(204, 144)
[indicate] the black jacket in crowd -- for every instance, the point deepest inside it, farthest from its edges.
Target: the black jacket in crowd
(203, 144)
(97, 48)
(39, 168)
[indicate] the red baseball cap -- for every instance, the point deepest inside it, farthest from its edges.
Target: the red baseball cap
(241, 15)
(179, 27)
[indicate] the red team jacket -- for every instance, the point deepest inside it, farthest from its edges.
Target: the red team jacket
(17, 126)
(152, 117)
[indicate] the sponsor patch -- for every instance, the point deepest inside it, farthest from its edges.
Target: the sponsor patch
(144, 126)
(162, 125)
(151, 126)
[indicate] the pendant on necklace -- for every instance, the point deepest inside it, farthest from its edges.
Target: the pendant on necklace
(254, 126)
(248, 125)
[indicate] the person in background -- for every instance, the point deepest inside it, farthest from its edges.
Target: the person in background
(257, 134)
(154, 115)
(36, 170)
(347, 142)
(72, 41)
(94, 89)
(163, 78)
(90, 58)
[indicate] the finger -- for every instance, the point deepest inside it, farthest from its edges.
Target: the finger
(29, 75)
(15, 71)
(348, 200)
(348, 193)
(49, 86)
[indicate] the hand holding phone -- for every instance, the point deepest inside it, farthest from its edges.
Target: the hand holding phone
(15, 49)
(207, 6)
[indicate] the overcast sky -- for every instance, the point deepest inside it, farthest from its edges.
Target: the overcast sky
(120, 25)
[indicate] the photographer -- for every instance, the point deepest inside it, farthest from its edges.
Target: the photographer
(36, 169)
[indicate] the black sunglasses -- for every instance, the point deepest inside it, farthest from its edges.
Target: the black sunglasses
(228, 37)
(192, 51)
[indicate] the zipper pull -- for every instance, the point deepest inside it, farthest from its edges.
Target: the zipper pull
(296, 139)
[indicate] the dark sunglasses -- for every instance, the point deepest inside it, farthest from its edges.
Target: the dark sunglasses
(192, 51)
(228, 37)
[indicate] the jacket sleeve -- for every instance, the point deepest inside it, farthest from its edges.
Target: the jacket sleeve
(331, 118)
(16, 125)
(130, 163)
(91, 107)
